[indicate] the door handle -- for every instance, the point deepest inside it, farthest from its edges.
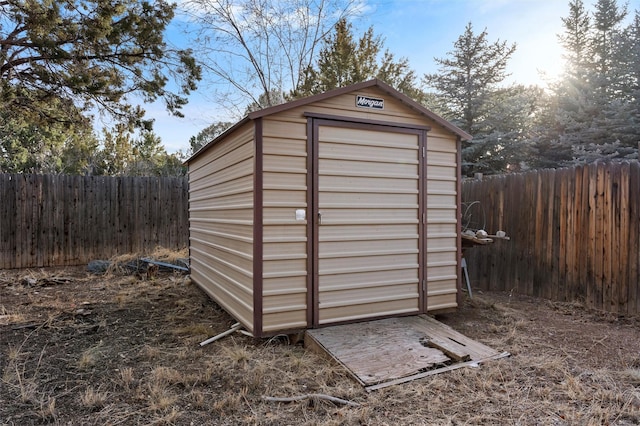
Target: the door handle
(319, 218)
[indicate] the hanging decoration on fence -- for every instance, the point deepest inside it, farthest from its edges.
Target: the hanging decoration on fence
(474, 224)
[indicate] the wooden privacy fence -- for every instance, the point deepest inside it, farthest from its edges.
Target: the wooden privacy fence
(56, 220)
(575, 235)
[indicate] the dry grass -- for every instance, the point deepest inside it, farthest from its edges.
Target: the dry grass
(118, 264)
(93, 399)
(133, 357)
(90, 357)
(127, 378)
(10, 316)
(21, 376)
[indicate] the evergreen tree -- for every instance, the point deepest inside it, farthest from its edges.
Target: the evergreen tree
(125, 153)
(605, 42)
(469, 76)
(117, 151)
(26, 145)
(575, 40)
(208, 134)
(61, 61)
(149, 158)
(623, 111)
(594, 112)
(504, 145)
(90, 53)
(343, 60)
(605, 77)
(398, 74)
(469, 86)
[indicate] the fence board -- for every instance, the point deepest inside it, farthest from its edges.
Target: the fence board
(518, 191)
(575, 234)
(554, 257)
(623, 239)
(634, 233)
(7, 207)
(614, 285)
(58, 220)
(590, 241)
(584, 229)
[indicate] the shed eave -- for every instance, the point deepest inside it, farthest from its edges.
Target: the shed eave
(359, 86)
(464, 136)
(206, 146)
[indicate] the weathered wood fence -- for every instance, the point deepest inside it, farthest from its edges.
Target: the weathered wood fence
(55, 220)
(575, 235)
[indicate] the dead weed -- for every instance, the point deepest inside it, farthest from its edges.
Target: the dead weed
(120, 349)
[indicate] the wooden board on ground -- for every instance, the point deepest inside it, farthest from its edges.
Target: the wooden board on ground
(395, 350)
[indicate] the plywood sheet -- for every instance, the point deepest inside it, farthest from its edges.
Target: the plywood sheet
(394, 350)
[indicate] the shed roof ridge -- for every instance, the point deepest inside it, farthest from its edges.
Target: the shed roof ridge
(375, 82)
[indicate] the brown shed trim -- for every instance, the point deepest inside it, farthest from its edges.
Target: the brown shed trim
(258, 249)
(366, 121)
(311, 247)
(314, 196)
(219, 138)
(459, 217)
(422, 230)
(314, 121)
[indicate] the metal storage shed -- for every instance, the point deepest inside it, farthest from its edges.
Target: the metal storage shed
(336, 208)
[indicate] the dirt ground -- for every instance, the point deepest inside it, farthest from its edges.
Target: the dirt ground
(82, 349)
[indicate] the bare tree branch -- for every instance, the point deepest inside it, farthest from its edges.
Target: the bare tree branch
(260, 48)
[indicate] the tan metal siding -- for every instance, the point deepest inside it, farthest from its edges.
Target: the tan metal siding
(373, 239)
(344, 106)
(442, 211)
(442, 178)
(369, 308)
(221, 223)
(285, 238)
(394, 110)
(360, 276)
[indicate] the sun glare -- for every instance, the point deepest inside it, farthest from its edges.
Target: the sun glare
(537, 61)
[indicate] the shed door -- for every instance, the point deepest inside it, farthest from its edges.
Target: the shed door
(368, 230)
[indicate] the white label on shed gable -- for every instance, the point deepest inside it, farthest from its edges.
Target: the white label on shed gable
(301, 214)
(369, 102)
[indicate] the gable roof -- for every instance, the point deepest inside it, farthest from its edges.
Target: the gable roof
(337, 92)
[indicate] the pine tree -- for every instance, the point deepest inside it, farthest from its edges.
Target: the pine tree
(575, 39)
(27, 145)
(623, 111)
(89, 53)
(605, 41)
(594, 112)
(208, 134)
(468, 77)
(470, 87)
(61, 61)
(343, 60)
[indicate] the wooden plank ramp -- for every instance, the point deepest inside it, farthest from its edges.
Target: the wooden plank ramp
(391, 351)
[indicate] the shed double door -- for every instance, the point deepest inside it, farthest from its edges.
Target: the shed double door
(368, 221)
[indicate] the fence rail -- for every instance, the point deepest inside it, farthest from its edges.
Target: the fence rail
(57, 220)
(575, 235)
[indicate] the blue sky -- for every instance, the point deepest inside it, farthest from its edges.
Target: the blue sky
(420, 31)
